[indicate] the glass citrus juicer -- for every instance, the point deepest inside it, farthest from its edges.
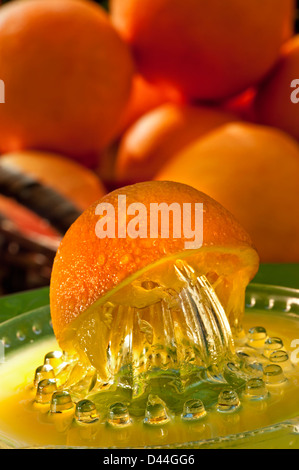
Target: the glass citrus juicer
(151, 346)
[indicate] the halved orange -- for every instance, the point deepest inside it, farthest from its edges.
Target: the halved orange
(91, 275)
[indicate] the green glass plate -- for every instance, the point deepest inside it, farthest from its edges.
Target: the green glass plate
(35, 325)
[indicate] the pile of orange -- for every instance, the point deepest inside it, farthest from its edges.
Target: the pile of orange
(191, 91)
(233, 64)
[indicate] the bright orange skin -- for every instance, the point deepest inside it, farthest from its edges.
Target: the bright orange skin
(86, 267)
(273, 103)
(158, 135)
(75, 182)
(67, 76)
(253, 171)
(208, 50)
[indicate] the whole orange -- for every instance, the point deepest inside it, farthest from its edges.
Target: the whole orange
(67, 76)
(159, 134)
(253, 171)
(277, 100)
(208, 49)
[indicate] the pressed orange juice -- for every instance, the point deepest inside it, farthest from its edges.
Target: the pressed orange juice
(24, 422)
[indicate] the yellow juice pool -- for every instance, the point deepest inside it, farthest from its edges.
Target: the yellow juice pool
(271, 397)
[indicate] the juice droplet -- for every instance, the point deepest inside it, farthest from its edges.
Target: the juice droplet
(118, 415)
(279, 356)
(43, 372)
(228, 401)
(273, 374)
(54, 358)
(45, 390)
(6, 342)
(61, 401)
(125, 259)
(155, 413)
(21, 335)
(257, 337)
(61, 410)
(256, 389)
(86, 411)
(272, 344)
(101, 260)
(193, 410)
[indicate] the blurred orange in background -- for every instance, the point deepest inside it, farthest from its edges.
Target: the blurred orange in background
(28, 244)
(109, 267)
(73, 181)
(28, 223)
(273, 103)
(208, 50)
(67, 76)
(160, 134)
(144, 97)
(253, 171)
